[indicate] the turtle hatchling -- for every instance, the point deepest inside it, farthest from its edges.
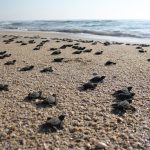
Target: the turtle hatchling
(48, 69)
(34, 95)
(10, 62)
(58, 60)
(108, 63)
(4, 87)
(89, 86)
(27, 68)
(123, 90)
(97, 79)
(54, 124)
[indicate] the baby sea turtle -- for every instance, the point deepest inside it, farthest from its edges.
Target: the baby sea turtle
(89, 86)
(4, 87)
(31, 41)
(148, 60)
(142, 51)
(98, 52)
(53, 49)
(97, 79)
(58, 60)
(10, 62)
(34, 95)
(5, 55)
(56, 52)
(27, 68)
(45, 70)
(63, 47)
(122, 107)
(49, 101)
(125, 96)
(36, 48)
(54, 124)
(106, 43)
(108, 63)
(3, 52)
(123, 90)
(23, 43)
(87, 50)
(77, 52)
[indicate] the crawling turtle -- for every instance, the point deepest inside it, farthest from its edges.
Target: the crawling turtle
(89, 86)
(31, 41)
(106, 43)
(45, 70)
(23, 43)
(63, 47)
(98, 52)
(54, 124)
(53, 49)
(58, 60)
(4, 56)
(36, 48)
(3, 52)
(77, 52)
(125, 96)
(57, 52)
(34, 95)
(10, 62)
(108, 63)
(49, 101)
(123, 106)
(7, 55)
(27, 68)
(123, 90)
(97, 79)
(87, 50)
(4, 87)
(142, 51)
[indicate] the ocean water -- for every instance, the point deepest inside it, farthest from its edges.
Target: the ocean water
(115, 30)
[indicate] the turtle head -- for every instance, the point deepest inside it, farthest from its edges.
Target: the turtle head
(129, 88)
(6, 87)
(103, 77)
(31, 66)
(132, 94)
(62, 117)
(54, 95)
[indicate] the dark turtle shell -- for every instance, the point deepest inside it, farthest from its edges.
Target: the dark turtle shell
(98, 52)
(97, 79)
(3, 87)
(123, 90)
(57, 52)
(10, 62)
(108, 63)
(2, 52)
(89, 86)
(27, 68)
(50, 100)
(48, 69)
(54, 124)
(34, 95)
(58, 60)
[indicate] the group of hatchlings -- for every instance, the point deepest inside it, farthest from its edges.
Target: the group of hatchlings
(123, 102)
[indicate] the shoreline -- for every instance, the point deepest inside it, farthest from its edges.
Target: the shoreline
(90, 119)
(125, 40)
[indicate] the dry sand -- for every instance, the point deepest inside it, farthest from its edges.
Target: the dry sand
(89, 120)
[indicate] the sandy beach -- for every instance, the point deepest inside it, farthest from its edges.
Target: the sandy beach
(89, 122)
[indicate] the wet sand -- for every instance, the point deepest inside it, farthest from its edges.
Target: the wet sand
(89, 119)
